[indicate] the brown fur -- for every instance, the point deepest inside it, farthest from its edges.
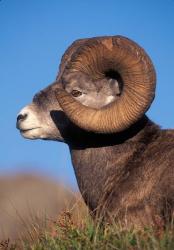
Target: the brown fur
(131, 179)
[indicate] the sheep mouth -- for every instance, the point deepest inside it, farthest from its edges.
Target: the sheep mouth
(27, 130)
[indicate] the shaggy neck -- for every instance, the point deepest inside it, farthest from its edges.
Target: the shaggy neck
(97, 159)
(78, 139)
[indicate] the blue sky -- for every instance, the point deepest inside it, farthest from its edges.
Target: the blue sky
(33, 36)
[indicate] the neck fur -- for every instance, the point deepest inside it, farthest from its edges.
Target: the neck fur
(101, 161)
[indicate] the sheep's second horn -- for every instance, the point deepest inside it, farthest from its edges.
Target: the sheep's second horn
(98, 56)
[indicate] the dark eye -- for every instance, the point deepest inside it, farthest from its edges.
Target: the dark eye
(76, 93)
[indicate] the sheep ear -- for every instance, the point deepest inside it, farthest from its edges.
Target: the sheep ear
(115, 86)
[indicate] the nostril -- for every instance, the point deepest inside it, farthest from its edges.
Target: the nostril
(21, 117)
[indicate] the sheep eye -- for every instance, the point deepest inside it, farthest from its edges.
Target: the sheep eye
(76, 93)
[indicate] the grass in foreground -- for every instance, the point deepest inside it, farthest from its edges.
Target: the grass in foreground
(66, 235)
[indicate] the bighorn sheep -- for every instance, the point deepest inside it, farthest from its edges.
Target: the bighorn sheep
(123, 161)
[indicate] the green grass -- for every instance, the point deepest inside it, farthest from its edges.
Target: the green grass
(88, 236)
(69, 233)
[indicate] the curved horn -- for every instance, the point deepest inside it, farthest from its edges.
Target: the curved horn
(67, 56)
(95, 58)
